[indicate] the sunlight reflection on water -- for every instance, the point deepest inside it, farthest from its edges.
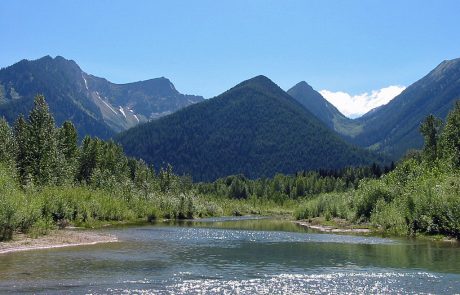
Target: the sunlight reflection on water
(235, 256)
(326, 283)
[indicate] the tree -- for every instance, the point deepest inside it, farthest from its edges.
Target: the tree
(21, 136)
(88, 160)
(450, 137)
(68, 152)
(430, 130)
(42, 144)
(7, 144)
(67, 141)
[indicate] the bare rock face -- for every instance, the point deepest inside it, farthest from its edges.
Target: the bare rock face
(96, 106)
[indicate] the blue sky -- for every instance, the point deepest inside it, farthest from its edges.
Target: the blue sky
(206, 47)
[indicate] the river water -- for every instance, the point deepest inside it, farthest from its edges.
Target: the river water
(236, 256)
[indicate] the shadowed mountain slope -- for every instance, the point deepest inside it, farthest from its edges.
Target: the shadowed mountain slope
(255, 128)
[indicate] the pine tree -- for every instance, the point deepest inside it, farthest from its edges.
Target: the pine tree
(67, 152)
(430, 131)
(88, 159)
(42, 144)
(7, 145)
(67, 136)
(21, 136)
(450, 138)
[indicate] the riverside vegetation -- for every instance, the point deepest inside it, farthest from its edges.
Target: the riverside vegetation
(47, 180)
(422, 195)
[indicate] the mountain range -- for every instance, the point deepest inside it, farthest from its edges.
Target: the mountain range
(255, 129)
(96, 106)
(393, 128)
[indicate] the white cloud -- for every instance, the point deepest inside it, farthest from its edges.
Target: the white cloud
(354, 106)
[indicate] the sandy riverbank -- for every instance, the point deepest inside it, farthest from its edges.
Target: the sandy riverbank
(56, 239)
(332, 229)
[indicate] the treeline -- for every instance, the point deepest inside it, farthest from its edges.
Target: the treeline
(422, 195)
(42, 155)
(304, 184)
(48, 180)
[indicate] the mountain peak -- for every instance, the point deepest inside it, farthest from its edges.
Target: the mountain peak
(96, 106)
(302, 85)
(318, 105)
(260, 83)
(44, 58)
(48, 62)
(257, 80)
(446, 67)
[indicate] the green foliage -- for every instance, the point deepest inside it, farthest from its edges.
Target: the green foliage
(17, 211)
(21, 136)
(10, 198)
(7, 144)
(331, 205)
(368, 195)
(450, 138)
(103, 185)
(422, 195)
(290, 187)
(42, 149)
(430, 131)
(388, 217)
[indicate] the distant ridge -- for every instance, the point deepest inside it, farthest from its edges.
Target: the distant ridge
(255, 128)
(393, 128)
(96, 106)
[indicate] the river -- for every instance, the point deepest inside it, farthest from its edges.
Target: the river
(235, 256)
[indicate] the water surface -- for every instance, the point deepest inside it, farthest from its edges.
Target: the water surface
(235, 256)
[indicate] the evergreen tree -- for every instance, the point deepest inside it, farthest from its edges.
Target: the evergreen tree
(430, 131)
(7, 144)
(42, 144)
(450, 138)
(68, 141)
(67, 152)
(21, 136)
(88, 159)
(166, 178)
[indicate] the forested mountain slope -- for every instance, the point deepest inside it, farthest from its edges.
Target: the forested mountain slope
(255, 128)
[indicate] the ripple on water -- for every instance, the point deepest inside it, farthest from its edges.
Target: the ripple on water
(213, 235)
(322, 283)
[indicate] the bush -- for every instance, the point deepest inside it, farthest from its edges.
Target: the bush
(11, 199)
(41, 228)
(367, 196)
(390, 218)
(331, 205)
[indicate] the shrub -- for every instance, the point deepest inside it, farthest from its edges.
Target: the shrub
(10, 202)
